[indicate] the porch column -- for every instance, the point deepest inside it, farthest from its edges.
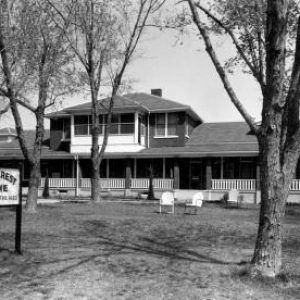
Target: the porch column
(208, 174)
(136, 127)
(107, 168)
(128, 175)
(222, 168)
(77, 175)
(164, 168)
(176, 175)
(257, 190)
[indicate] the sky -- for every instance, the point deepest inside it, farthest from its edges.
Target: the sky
(185, 73)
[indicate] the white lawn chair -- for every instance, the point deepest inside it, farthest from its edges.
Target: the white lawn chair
(167, 199)
(233, 197)
(196, 203)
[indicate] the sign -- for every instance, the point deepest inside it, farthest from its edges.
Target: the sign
(9, 186)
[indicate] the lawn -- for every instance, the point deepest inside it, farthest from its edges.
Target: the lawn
(119, 250)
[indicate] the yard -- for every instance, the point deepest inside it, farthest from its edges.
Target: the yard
(120, 250)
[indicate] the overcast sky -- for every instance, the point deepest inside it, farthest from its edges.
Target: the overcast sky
(185, 74)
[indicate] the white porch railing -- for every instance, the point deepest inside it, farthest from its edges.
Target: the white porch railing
(238, 184)
(106, 183)
(158, 183)
(295, 185)
(59, 182)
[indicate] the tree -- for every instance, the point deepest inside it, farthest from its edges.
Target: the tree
(267, 39)
(104, 38)
(34, 65)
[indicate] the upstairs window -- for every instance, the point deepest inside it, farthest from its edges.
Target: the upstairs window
(166, 124)
(120, 124)
(81, 125)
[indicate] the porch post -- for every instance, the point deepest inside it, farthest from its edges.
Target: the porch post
(107, 168)
(208, 174)
(257, 190)
(222, 168)
(164, 167)
(136, 127)
(77, 175)
(134, 168)
(176, 175)
(128, 175)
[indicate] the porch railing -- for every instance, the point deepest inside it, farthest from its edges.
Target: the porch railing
(106, 183)
(158, 183)
(238, 184)
(109, 183)
(59, 182)
(295, 185)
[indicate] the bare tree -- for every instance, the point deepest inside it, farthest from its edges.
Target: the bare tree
(35, 72)
(264, 45)
(104, 38)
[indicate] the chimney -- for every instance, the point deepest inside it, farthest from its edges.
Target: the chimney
(156, 92)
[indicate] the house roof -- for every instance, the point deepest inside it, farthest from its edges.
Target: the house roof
(131, 102)
(207, 140)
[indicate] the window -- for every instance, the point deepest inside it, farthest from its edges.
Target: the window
(81, 125)
(122, 124)
(166, 124)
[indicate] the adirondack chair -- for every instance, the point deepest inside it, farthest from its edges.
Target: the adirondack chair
(192, 206)
(167, 200)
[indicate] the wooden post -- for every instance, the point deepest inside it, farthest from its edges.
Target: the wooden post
(176, 175)
(19, 215)
(128, 175)
(257, 190)
(208, 174)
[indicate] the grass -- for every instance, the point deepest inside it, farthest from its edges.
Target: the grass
(129, 251)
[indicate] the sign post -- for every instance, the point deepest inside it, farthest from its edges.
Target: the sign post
(11, 195)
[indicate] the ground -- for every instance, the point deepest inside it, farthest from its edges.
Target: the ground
(119, 250)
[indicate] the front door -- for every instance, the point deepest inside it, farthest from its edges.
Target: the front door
(196, 171)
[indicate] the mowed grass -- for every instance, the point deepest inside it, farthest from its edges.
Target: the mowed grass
(119, 250)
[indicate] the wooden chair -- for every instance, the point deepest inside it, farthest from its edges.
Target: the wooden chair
(196, 203)
(167, 200)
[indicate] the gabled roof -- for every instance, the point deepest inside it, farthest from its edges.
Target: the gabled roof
(130, 103)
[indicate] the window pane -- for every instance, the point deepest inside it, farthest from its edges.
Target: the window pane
(172, 129)
(160, 130)
(172, 118)
(114, 128)
(115, 118)
(127, 128)
(81, 129)
(160, 119)
(81, 120)
(127, 118)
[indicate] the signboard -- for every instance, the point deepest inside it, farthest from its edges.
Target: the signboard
(9, 186)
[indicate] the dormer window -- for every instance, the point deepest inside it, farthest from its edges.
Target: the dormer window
(166, 124)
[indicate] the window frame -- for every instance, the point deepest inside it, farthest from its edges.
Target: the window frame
(166, 126)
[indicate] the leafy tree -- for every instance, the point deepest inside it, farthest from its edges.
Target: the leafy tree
(35, 72)
(267, 39)
(104, 38)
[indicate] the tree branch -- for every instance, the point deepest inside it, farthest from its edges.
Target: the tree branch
(252, 67)
(250, 121)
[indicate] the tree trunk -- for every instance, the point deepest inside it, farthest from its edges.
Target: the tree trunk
(95, 178)
(274, 180)
(31, 203)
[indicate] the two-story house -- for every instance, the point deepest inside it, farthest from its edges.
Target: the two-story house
(147, 130)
